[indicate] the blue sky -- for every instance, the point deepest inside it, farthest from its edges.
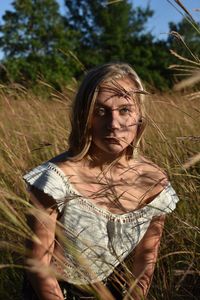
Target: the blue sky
(164, 12)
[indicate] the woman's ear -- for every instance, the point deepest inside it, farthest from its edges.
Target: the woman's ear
(140, 128)
(139, 125)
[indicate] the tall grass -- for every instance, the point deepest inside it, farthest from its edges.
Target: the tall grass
(33, 130)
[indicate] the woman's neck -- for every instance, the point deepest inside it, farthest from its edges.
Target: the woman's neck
(103, 160)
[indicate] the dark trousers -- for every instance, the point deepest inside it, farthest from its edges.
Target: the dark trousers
(75, 292)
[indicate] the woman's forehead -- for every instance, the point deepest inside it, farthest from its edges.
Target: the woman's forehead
(120, 90)
(118, 84)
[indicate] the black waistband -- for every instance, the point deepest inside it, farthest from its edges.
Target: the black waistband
(79, 292)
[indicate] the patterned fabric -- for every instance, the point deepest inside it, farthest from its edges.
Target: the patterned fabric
(96, 240)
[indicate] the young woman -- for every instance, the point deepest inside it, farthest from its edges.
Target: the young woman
(99, 208)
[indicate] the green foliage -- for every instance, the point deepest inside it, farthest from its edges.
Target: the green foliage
(32, 37)
(116, 32)
(39, 43)
(106, 29)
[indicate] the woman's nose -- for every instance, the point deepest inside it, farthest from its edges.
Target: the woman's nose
(113, 121)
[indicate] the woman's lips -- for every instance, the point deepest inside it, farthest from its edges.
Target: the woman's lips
(112, 140)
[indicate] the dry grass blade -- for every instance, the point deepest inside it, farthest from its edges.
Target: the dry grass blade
(5, 266)
(193, 96)
(195, 57)
(189, 138)
(184, 9)
(182, 272)
(194, 77)
(185, 67)
(177, 253)
(74, 56)
(183, 58)
(188, 16)
(188, 82)
(184, 275)
(113, 2)
(20, 249)
(192, 161)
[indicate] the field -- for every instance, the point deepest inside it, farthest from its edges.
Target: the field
(35, 128)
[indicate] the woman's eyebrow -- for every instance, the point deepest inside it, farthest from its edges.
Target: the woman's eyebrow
(98, 105)
(126, 104)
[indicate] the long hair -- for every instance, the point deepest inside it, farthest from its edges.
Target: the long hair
(80, 137)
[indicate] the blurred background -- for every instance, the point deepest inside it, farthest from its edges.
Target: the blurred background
(54, 41)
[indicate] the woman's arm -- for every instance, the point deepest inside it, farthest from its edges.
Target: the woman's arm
(144, 259)
(43, 224)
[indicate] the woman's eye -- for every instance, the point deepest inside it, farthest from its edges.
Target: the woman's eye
(124, 110)
(100, 112)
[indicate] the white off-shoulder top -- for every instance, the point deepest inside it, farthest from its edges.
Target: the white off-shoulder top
(96, 240)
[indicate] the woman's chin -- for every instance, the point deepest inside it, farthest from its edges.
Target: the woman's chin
(110, 152)
(107, 151)
(114, 150)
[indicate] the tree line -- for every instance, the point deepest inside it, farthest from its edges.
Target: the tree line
(40, 43)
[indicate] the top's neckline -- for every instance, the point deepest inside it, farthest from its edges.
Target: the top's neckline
(134, 212)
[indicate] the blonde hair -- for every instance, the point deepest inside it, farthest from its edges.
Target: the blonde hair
(80, 137)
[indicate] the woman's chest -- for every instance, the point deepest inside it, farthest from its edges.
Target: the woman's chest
(118, 194)
(118, 189)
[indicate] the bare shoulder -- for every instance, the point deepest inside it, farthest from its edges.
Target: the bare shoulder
(69, 167)
(149, 167)
(63, 162)
(152, 170)
(150, 177)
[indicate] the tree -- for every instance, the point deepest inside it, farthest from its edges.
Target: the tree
(31, 38)
(106, 28)
(38, 41)
(117, 32)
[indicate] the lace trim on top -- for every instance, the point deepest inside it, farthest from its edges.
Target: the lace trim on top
(121, 218)
(58, 186)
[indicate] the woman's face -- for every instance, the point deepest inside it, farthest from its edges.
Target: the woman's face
(115, 118)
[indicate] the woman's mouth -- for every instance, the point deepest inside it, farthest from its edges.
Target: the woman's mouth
(112, 140)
